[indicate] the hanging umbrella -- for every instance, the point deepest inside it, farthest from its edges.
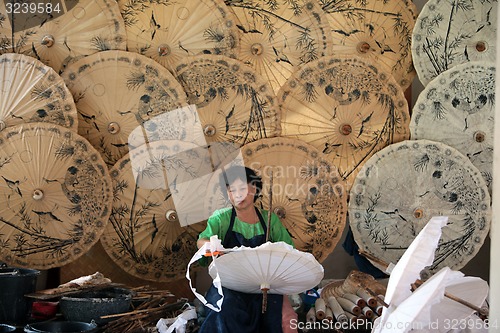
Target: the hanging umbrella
(448, 33)
(405, 184)
(457, 108)
(33, 92)
(307, 194)
(235, 104)
(379, 31)
(116, 92)
(346, 108)
(144, 235)
(169, 31)
(279, 36)
(56, 195)
(63, 30)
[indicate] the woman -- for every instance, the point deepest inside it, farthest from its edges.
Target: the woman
(244, 225)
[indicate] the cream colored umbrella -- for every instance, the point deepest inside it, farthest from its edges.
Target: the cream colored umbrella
(144, 235)
(56, 32)
(116, 92)
(308, 195)
(235, 104)
(458, 108)
(452, 32)
(379, 31)
(56, 195)
(33, 92)
(279, 36)
(402, 186)
(169, 31)
(346, 108)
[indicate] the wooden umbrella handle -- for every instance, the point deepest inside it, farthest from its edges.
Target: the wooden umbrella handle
(268, 231)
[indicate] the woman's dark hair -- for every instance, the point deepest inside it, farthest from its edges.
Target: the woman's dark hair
(229, 175)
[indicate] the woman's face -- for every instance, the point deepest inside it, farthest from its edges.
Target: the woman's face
(241, 194)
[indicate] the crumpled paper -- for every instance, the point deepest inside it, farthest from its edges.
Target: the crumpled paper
(168, 325)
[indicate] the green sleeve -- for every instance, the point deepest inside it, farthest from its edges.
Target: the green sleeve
(279, 232)
(217, 224)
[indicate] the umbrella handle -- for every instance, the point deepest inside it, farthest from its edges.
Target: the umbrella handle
(264, 299)
(268, 232)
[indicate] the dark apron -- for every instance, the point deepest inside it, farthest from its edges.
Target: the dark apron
(242, 312)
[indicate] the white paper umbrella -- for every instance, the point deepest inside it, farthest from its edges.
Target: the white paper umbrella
(402, 186)
(458, 108)
(379, 31)
(56, 32)
(33, 92)
(452, 32)
(169, 31)
(279, 36)
(276, 266)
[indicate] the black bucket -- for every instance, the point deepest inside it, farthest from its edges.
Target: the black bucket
(7, 328)
(61, 327)
(14, 284)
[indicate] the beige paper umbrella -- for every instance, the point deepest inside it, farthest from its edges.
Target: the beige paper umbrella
(402, 186)
(144, 235)
(56, 195)
(56, 32)
(169, 31)
(449, 33)
(33, 92)
(279, 36)
(379, 31)
(235, 103)
(117, 91)
(307, 194)
(346, 108)
(458, 108)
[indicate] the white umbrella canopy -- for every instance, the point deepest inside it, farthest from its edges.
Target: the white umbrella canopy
(458, 108)
(276, 266)
(117, 91)
(452, 32)
(379, 31)
(57, 32)
(33, 92)
(405, 184)
(347, 108)
(56, 195)
(168, 31)
(279, 36)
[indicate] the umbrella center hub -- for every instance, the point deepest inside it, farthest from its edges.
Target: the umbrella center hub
(257, 49)
(479, 136)
(209, 130)
(37, 194)
(280, 211)
(164, 50)
(346, 129)
(481, 46)
(418, 213)
(48, 40)
(113, 128)
(363, 47)
(171, 215)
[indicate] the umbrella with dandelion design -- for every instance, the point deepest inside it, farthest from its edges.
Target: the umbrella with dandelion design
(63, 31)
(56, 194)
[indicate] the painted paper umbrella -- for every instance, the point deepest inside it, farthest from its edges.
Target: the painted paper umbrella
(56, 195)
(449, 33)
(56, 32)
(33, 92)
(402, 186)
(458, 108)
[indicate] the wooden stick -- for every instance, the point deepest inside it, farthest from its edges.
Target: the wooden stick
(268, 232)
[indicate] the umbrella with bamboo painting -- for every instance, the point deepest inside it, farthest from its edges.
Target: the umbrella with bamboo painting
(116, 92)
(56, 195)
(33, 92)
(345, 107)
(235, 103)
(379, 31)
(144, 235)
(168, 31)
(448, 33)
(279, 36)
(402, 186)
(61, 30)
